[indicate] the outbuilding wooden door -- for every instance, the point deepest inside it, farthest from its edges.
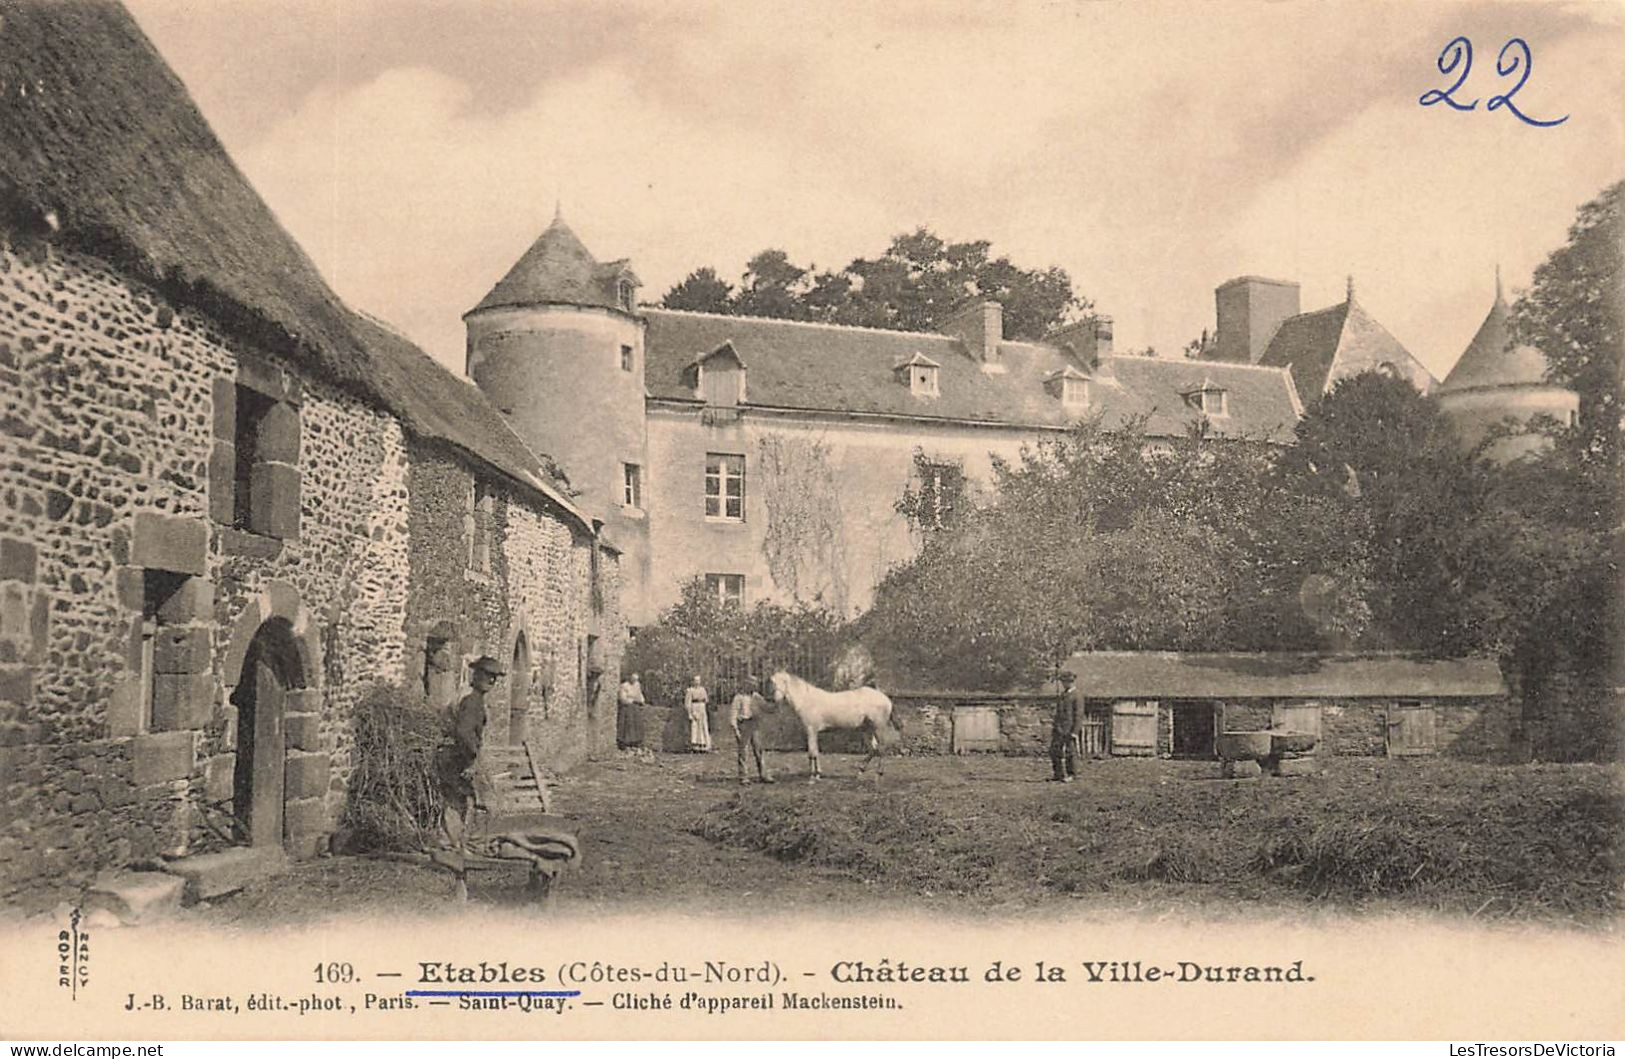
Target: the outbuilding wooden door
(1134, 727)
(1298, 717)
(1411, 730)
(975, 728)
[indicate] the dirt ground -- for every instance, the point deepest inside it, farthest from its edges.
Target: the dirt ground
(984, 834)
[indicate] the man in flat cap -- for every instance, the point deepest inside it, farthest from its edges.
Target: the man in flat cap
(457, 758)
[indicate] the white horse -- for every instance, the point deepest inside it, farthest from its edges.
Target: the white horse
(865, 708)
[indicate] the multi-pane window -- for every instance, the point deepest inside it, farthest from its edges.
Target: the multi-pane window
(1212, 402)
(728, 588)
(725, 486)
(942, 489)
(632, 485)
(1075, 391)
(626, 358)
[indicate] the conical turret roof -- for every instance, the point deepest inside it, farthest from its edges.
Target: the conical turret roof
(558, 269)
(1492, 358)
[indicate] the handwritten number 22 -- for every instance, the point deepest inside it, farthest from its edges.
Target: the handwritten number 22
(1459, 52)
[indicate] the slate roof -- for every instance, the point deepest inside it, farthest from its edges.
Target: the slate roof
(1493, 359)
(558, 269)
(826, 368)
(1329, 344)
(103, 151)
(1180, 675)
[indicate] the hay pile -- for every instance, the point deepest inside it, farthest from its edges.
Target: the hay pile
(394, 802)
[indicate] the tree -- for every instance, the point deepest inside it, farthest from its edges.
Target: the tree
(701, 291)
(1573, 314)
(1104, 540)
(772, 286)
(915, 285)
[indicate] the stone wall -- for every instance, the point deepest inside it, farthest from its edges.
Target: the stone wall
(133, 580)
(115, 410)
(567, 606)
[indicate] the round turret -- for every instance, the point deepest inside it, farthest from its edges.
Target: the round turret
(557, 345)
(1498, 379)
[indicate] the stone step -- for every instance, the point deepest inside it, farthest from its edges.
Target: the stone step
(133, 897)
(212, 875)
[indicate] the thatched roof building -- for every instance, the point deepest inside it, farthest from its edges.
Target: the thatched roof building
(102, 150)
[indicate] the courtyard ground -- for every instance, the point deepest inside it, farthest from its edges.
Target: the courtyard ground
(984, 834)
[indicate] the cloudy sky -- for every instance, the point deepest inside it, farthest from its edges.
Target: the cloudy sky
(417, 147)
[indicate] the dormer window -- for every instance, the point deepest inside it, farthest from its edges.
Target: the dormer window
(921, 373)
(1074, 391)
(624, 292)
(1070, 385)
(719, 377)
(1212, 402)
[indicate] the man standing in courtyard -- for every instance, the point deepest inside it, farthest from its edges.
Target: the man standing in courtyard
(457, 761)
(744, 715)
(1064, 732)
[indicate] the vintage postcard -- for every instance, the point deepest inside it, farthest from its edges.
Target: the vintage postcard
(544, 520)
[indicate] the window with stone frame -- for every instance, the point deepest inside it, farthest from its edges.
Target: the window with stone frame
(254, 476)
(252, 409)
(160, 589)
(479, 524)
(440, 672)
(729, 589)
(725, 487)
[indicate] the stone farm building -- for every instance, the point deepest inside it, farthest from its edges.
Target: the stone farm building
(1173, 704)
(231, 507)
(767, 456)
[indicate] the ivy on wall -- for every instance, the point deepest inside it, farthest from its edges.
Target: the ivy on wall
(804, 542)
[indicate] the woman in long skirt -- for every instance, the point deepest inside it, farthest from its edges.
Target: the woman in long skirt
(699, 725)
(628, 714)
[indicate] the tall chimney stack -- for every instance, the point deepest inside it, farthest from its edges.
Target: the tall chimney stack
(1090, 338)
(980, 325)
(1250, 309)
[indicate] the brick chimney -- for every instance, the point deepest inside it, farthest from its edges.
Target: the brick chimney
(1090, 338)
(980, 325)
(1250, 309)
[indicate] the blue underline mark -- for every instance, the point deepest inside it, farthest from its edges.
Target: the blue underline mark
(476, 992)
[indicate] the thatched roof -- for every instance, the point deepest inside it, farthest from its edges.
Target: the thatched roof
(101, 142)
(102, 150)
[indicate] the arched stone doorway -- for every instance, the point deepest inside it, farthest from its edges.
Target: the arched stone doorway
(518, 691)
(271, 671)
(273, 677)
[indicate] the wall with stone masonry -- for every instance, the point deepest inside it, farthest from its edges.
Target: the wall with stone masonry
(535, 579)
(558, 606)
(109, 400)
